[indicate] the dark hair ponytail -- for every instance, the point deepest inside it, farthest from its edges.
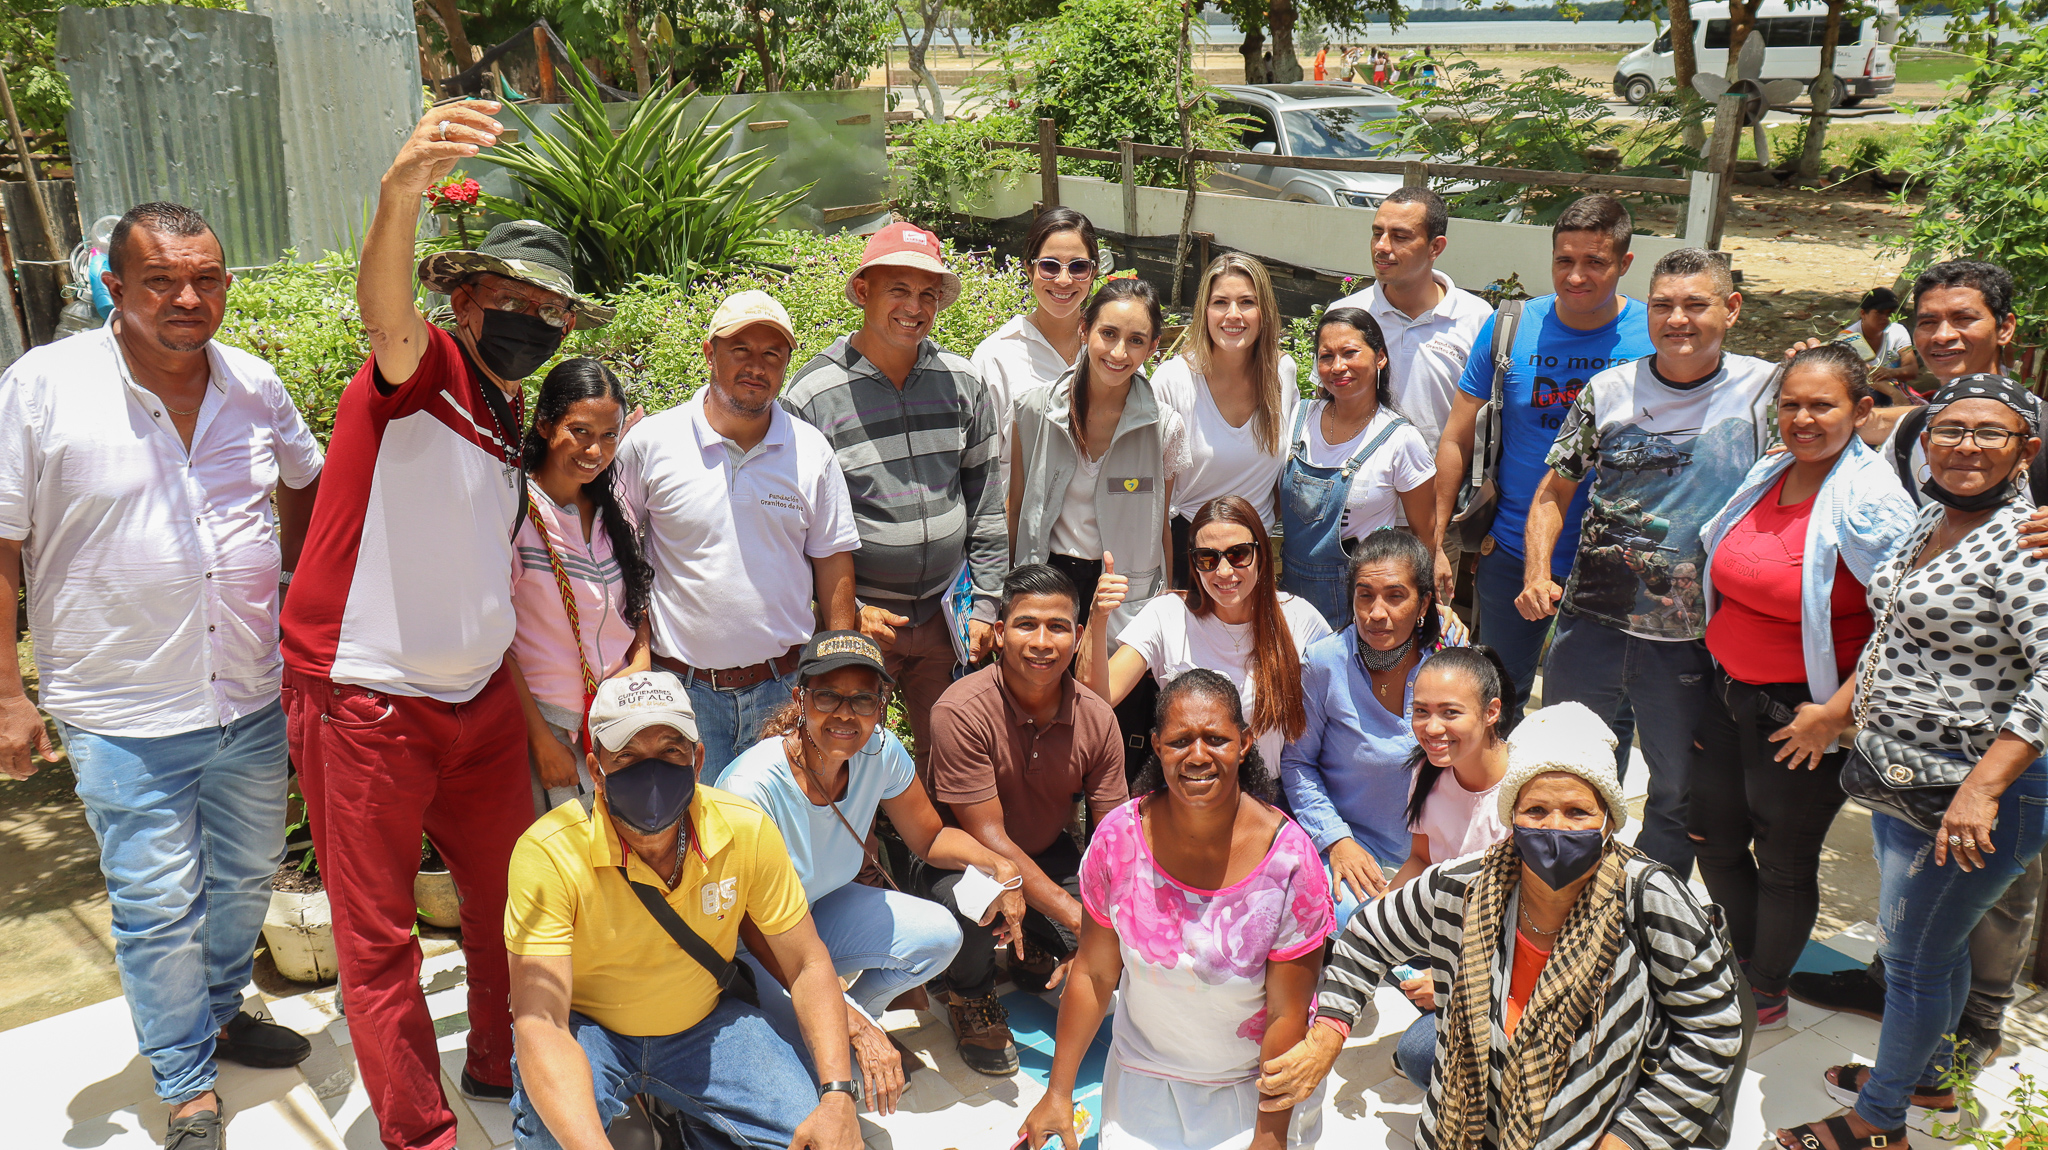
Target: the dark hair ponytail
(1129, 287)
(571, 382)
(1483, 668)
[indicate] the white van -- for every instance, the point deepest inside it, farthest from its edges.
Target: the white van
(1792, 37)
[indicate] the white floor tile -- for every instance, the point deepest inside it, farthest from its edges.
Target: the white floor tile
(1858, 942)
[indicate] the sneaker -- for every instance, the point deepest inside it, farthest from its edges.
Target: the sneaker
(981, 1027)
(484, 1091)
(259, 1042)
(201, 1131)
(1977, 1044)
(1772, 1011)
(1034, 970)
(1849, 991)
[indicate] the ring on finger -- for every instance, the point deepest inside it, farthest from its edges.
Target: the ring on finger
(1970, 844)
(444, 129)
(1955, 840)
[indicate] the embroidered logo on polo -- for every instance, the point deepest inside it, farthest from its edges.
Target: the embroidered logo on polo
(1136, 486)
(719, 897)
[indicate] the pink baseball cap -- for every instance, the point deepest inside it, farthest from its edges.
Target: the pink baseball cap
(905, 245)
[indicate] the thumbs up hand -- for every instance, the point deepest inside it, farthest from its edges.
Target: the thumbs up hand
(1111, 589)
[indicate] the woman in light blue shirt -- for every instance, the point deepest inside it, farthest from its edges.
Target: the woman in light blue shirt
(1347, 776)
(820, 771)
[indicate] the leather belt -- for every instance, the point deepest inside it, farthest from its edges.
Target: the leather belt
(734, 678)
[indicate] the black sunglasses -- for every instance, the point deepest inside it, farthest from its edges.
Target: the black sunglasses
(1049, 268)
(1240, 555)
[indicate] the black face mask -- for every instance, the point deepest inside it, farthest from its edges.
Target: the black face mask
(650, 796)
(1984, 500)
(514, 345)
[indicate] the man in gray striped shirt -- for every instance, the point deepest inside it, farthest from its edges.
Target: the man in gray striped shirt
(916, 435)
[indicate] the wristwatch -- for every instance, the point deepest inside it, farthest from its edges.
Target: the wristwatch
(850, 1089)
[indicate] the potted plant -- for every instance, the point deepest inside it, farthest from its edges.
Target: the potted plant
(433, 891)
(299, 927)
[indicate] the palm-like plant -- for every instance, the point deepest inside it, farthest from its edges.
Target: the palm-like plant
(653, 197)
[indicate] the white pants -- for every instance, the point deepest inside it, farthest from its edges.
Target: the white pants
(1144, 1112)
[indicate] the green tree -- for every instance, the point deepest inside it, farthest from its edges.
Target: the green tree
(1984, 165)
(1272, 23)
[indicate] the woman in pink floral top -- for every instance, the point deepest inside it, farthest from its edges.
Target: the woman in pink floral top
(1207, 911)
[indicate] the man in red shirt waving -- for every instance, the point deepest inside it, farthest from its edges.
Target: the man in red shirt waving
(401, 712)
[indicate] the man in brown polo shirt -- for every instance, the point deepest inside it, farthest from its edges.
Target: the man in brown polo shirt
(1013, 747)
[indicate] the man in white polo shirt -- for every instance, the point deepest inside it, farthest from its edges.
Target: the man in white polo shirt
(747, 521)
(137, 464)
(1428, 321)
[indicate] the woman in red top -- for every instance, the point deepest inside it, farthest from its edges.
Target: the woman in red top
(1786, 619)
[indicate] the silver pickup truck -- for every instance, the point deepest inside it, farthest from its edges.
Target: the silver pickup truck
(1329, 120)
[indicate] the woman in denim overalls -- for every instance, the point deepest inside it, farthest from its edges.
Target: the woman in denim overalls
(1322, 503)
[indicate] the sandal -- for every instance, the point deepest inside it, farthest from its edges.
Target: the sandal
(1928, 1106)
(1808, 1137)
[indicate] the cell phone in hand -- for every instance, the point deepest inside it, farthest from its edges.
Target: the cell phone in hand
(1406, 973)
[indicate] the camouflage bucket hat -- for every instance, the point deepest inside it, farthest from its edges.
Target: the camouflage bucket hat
(523, 250)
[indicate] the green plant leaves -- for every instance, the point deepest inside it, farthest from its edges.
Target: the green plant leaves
(664, 194)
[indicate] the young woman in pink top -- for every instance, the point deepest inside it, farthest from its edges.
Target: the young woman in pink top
(580, 590)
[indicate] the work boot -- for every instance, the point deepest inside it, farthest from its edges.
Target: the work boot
(981, 1027)
(1031, 972)
(1849, 991)
(1977, 1044)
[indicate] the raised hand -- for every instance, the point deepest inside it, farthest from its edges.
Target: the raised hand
(1111, 589)
(446, 136)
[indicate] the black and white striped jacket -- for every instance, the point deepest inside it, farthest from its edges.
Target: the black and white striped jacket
(1666, 1039)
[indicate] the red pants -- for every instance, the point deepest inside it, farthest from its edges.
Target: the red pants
(376, 770)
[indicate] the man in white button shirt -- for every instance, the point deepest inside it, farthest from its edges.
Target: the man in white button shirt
(1428, 321)
(137, 465)
(747, 521)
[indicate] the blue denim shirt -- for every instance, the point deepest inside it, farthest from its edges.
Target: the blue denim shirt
(1347, 775)
(1860, 515)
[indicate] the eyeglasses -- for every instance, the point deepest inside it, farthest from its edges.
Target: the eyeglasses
(497, 299)
(865, 703)
(1049, 268)
(1988, 438)
(1240, 555)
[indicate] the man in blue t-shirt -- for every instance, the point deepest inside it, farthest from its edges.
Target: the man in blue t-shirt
(1563, 340)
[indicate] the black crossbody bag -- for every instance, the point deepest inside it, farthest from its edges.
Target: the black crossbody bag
(735, 979)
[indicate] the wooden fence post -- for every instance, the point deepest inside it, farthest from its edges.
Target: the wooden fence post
(1700, 206)
(1130, 179)
(1048, 164)
(1415, 174)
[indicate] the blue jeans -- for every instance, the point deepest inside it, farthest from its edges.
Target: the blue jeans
(1416, 1052)
(729, 722)
(1608, 670)
(1924, 917)
(892, 941)
(736, 1083)
(1519, 642)
(191, 830)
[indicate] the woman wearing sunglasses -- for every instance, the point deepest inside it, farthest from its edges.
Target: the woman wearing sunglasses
(1354, 465)
(1035, 349)
(821, 770)
(1232, 621)
(1236, 393)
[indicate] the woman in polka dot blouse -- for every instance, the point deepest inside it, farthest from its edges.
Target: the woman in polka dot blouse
(1958, 672)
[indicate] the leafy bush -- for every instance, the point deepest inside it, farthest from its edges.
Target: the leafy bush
(303, 319)
(1103, 70)
(653, 197)
(1545, 120)
(951, 161)
(1980, 163)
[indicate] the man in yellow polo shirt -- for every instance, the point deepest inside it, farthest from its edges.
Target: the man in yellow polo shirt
(607, 1002)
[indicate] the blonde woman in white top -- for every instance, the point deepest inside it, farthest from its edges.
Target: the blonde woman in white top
(1061, 261)
(1235, 393)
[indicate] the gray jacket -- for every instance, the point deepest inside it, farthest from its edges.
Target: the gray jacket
(1130, 503)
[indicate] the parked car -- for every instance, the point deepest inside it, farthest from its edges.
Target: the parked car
(1330, 120)
(1792, 42)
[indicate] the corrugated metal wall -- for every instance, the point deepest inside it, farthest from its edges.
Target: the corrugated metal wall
(351, 94)
(179, 103)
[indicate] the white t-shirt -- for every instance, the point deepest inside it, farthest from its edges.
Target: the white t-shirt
(1011, 362)
(1076, 531)
(1225, 460)
(731, 545)
(1403, 463)
(1426, 355)
(1174, 641)
(1458, 822)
